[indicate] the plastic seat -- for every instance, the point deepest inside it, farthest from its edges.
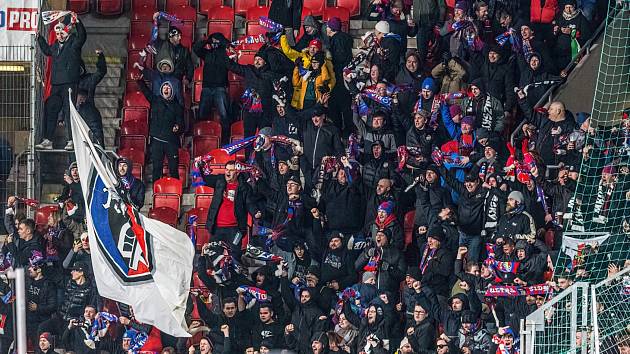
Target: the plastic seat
(135, 155)
(341, 12)
(133, 56)
(316, 6)
(142, 13)
(207, 127)
(197, 283)
(353, 6)
(253, 28)
(247, 57)
(138, 170)
(134, 127)
(203, 144)
(241, 6)
(188, 25)
(183, 167)
(203, 196)
(80, 7)
(202, 215)
(167, 185)
(41, 216)
(225, 27)
(172, 5)
(141, 28)
(136, 4)
(219, 158)
(221, 13)
(204, 6)
(202, 236)
(131, 86)
(164, 214)
(408, 227)
(135, 114)
(109, 7)
(136, 99)
(255, 12)
(133, 141)
(237, 129)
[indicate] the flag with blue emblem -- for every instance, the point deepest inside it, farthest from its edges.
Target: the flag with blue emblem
(136, 260)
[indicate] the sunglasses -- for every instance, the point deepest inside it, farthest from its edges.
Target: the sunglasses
(440, 346)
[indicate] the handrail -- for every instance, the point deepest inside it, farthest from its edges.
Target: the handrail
(586, 48)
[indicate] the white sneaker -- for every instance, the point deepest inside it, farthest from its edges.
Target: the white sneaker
(44, 145)
(69, 146)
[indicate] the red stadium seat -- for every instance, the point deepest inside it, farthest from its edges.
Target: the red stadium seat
(316, 6)
(219, 158)
(135, 114)
(204, 7)
(109, 7)
(221, 13)
(133, 56)
(353, 6)
(408, 227)
(136, 4)
(202, 236)
(203, 196)
(255, 12)
(235, 91)
(173, 5)
(203, 144)
(241, 6)
(341, 12)
(131, 86)
(141, 28)
(80, 7)
(135, 99)
(237, 129)
(167, 185)
(164, 214)
(137, 170)
(253, 28)
(135, 155)
(196, 96)
(207, 127)
(41, 216)
(133, 141)
(143, 13)
(202, 215)
(247, 57)
(187, 27)
(134, 127)
(224, 27)
(183, 166)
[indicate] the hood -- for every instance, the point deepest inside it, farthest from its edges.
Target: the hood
(170, 96)
(479, 83)
(523, 245)
(463, 298)
(129, 166)
(221, 38)
(72, 165)
(311, 21)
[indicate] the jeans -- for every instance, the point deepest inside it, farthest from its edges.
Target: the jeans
(55, 103)
(473, 242)
(229, 236)
(158, 150)
(216, 97)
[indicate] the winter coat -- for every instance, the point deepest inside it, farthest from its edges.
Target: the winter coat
(429, 201)
(157, 78)
(438, 271)
(390, 270)
(422, 139)
(304, 318)
(398, 238)
(22, 250)
(373, 171)
(76, 297)
(239, 327)
(66, 57)
(388, 60)
(378, 331)
(260, 80)
(165, 114)
(487, 110)
(318, 81)
(470, 209)
(43, 293)
(214, 63)
(371, 135)
(478, 342)
(429, 12)
(373, 202)
(288, 13)
(75, 339)
(452, 76)
(533, 266)
(338, 265)
(560, 194)
(243, 201)
(278, 63)
(272, 333)
(478, 282)
(530, 76)
(403, 30)
(319, 142)
(74, 193)
(180, 55)
(89, 81)
(516, 224)
(498, 79)
(424, 335)
(341, 52)
(293, 55)
(562, 48)
(343, 205)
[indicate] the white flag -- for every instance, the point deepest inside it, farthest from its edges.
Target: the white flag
(136, 260)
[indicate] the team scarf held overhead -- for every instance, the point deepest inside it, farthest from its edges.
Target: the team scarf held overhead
(49, 17)
(352, 297)
(172, 19)
(251, 101)
(270, 25)
(249, 40)
(511, 36)
(499, 266)
(138, 339)
(33, 203)
(261, 255)
(99, 328)
(252, 295)
(496, 290)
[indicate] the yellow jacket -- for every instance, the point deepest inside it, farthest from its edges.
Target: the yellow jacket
(306, 58)
(300, 85)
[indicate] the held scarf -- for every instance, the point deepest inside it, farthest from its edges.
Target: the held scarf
(33, 203)
(138, 339)
(575, 45)
(328, 165)
(373, 262)
(251, 101)
(220, 262)
(427, 255)
(512, 291)
(258, 254)
(192, 221)
(252, 295)
(384, 101)
(249, 40)
(353, 147)
(166, 16)
(49, 17)
(352, 296)
(99, 328)
(537, 84)
(269, 24)
(297, 288)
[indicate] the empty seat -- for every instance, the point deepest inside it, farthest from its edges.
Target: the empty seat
(235, 90)
(143, 13)
(341, 12)
(241, 6)
(135, 155)
(173, 5)
(237, 129)
(133, 141)
(203, 144)
(164, 214)
(109, 7)
(255, 12)
(353, 6)
(134, 127)
(141, 28)
(167, 185)
(225, 27)
(187, 27)
(135, 114)
(316, 6)
(203, 196)
(204, 6)
(136, 4)
(221, 13)
(79, 6)
(135, 99)
(207, 127)
(247, 57)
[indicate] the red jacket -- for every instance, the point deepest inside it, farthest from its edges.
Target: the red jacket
(543, 13)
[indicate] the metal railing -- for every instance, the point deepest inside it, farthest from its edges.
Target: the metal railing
(611, 306)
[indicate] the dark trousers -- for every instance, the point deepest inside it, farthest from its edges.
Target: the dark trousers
(232, 236)
(158, 150)
(216, 97)
(422, 41)
(339, 108)
(55, 103)
(94, 121)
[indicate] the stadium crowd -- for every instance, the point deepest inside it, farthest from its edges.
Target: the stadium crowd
(345, 146)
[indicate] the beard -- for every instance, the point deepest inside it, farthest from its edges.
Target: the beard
(508, 207)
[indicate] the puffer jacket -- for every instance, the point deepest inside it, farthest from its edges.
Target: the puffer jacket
(306, 58)
(516, 224)
(429, 12)
(75, 299)
(165, 114)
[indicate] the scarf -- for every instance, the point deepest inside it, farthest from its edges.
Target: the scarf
(251, 101)
(138, 339)
(261, 255)
(373, 262)
(49, 17)
(384, 101)
(52, 254)
(172, 19)
(220, 262)
(252, 295)
(527, 48)
(269, 24)
(575, 45)
(570, 16)
(385, 223)
(352, 297)
(297, 289)
(33, 203)
(249, 40)
(427, 255)
(99, 328)
(192, 221)
(513, 291)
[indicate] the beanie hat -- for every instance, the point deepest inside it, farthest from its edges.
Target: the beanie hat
(455, 110)
(335, 234)
(470, 120)
(263, 55)
(367, 276)
(414, 272)
(482, 133)
(46, 336)
(517, 196)
(311, 21)
(319, 57)
(314, 271)
(436, 233)
(521, 245)
(428, 84)
(609, 169)
(382, 26)
(469, 316)
(168, 62)
(387, 207)
(72, 165)
(471, 177)
(315, 43)
(434, 169)
(334, 23)
(403, 342)
(478, 83)
(494, 144)
(461, 5)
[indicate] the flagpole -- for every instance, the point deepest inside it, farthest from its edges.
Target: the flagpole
(20, 308)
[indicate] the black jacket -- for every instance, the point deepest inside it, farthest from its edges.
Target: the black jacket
(470, 209)
(438, 271)
(517, 225)
(66, 58)
(242, 201)
(304, 318)
(287, 13)
(259, 80)
(44, 294)
(214, 64)
(74, 340)
(165, 114)
(181, 59)
(390, 270)
(89, 81)
(319, 142)
(424, 334)
(341, 52)
(73, 192)
(338, 265)
(498, 79)
(75, 299)
(22, 250)
(430, 199)
(389, 58)
(343, 205)
(239, 327)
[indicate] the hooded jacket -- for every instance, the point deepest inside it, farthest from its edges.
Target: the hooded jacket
(304, 318)
(487, 110)
(498, 79)
(214, 61)
(288, 13)
(389, 58)
(375, 169)
(533, 266)
(516, 224)
(343, 205)
(132, 187)
(293, 55)
(371, 135)
(319, 142)
(42, 292)
(257, 79)
(430, 199)
(471, 205)
(377, 331)
(306, 38)
(390, 270)
(165, 114)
